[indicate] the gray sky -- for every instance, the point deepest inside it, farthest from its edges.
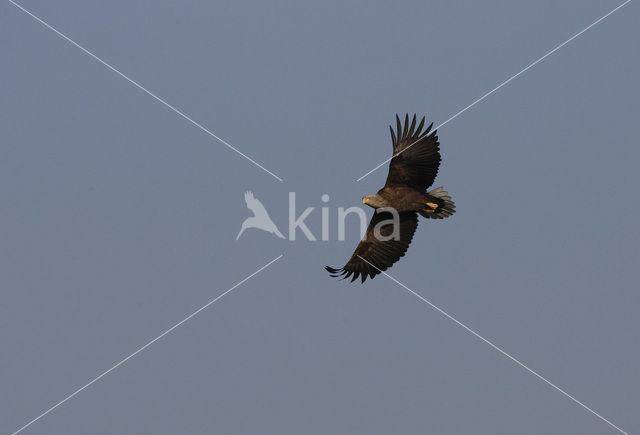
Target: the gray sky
(118, 218)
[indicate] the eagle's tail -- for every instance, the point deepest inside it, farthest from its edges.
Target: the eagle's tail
(447, 209)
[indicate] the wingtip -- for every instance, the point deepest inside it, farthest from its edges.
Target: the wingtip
(332, 271)
(429, 129)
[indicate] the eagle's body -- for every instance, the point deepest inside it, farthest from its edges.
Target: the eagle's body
(403, 198)
(413, 168)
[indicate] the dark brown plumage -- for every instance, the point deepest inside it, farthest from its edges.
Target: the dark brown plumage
(413, 168)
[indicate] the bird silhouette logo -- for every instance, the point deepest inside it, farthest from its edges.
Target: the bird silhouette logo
(260, 218)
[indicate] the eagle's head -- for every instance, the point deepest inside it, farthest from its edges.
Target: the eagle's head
(374, 201)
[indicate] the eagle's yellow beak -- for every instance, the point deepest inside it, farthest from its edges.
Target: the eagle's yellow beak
(364, 200)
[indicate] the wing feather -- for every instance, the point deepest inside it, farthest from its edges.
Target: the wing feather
(393, 137)
(379, 253)
(416, 155)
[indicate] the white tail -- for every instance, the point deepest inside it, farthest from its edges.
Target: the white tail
(446, 210)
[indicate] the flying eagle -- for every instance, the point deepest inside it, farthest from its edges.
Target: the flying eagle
(413, 168)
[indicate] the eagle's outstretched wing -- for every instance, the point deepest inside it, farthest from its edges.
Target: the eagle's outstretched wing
(379, 253)
(416, 155)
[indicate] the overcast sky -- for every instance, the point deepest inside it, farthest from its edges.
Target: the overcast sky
(118, 218)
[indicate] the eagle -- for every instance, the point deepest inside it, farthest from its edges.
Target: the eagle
(413, 169)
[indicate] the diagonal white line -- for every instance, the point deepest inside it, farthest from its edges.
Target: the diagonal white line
(465, 327)
(146, 346)
(139, 86)
(502, 84)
